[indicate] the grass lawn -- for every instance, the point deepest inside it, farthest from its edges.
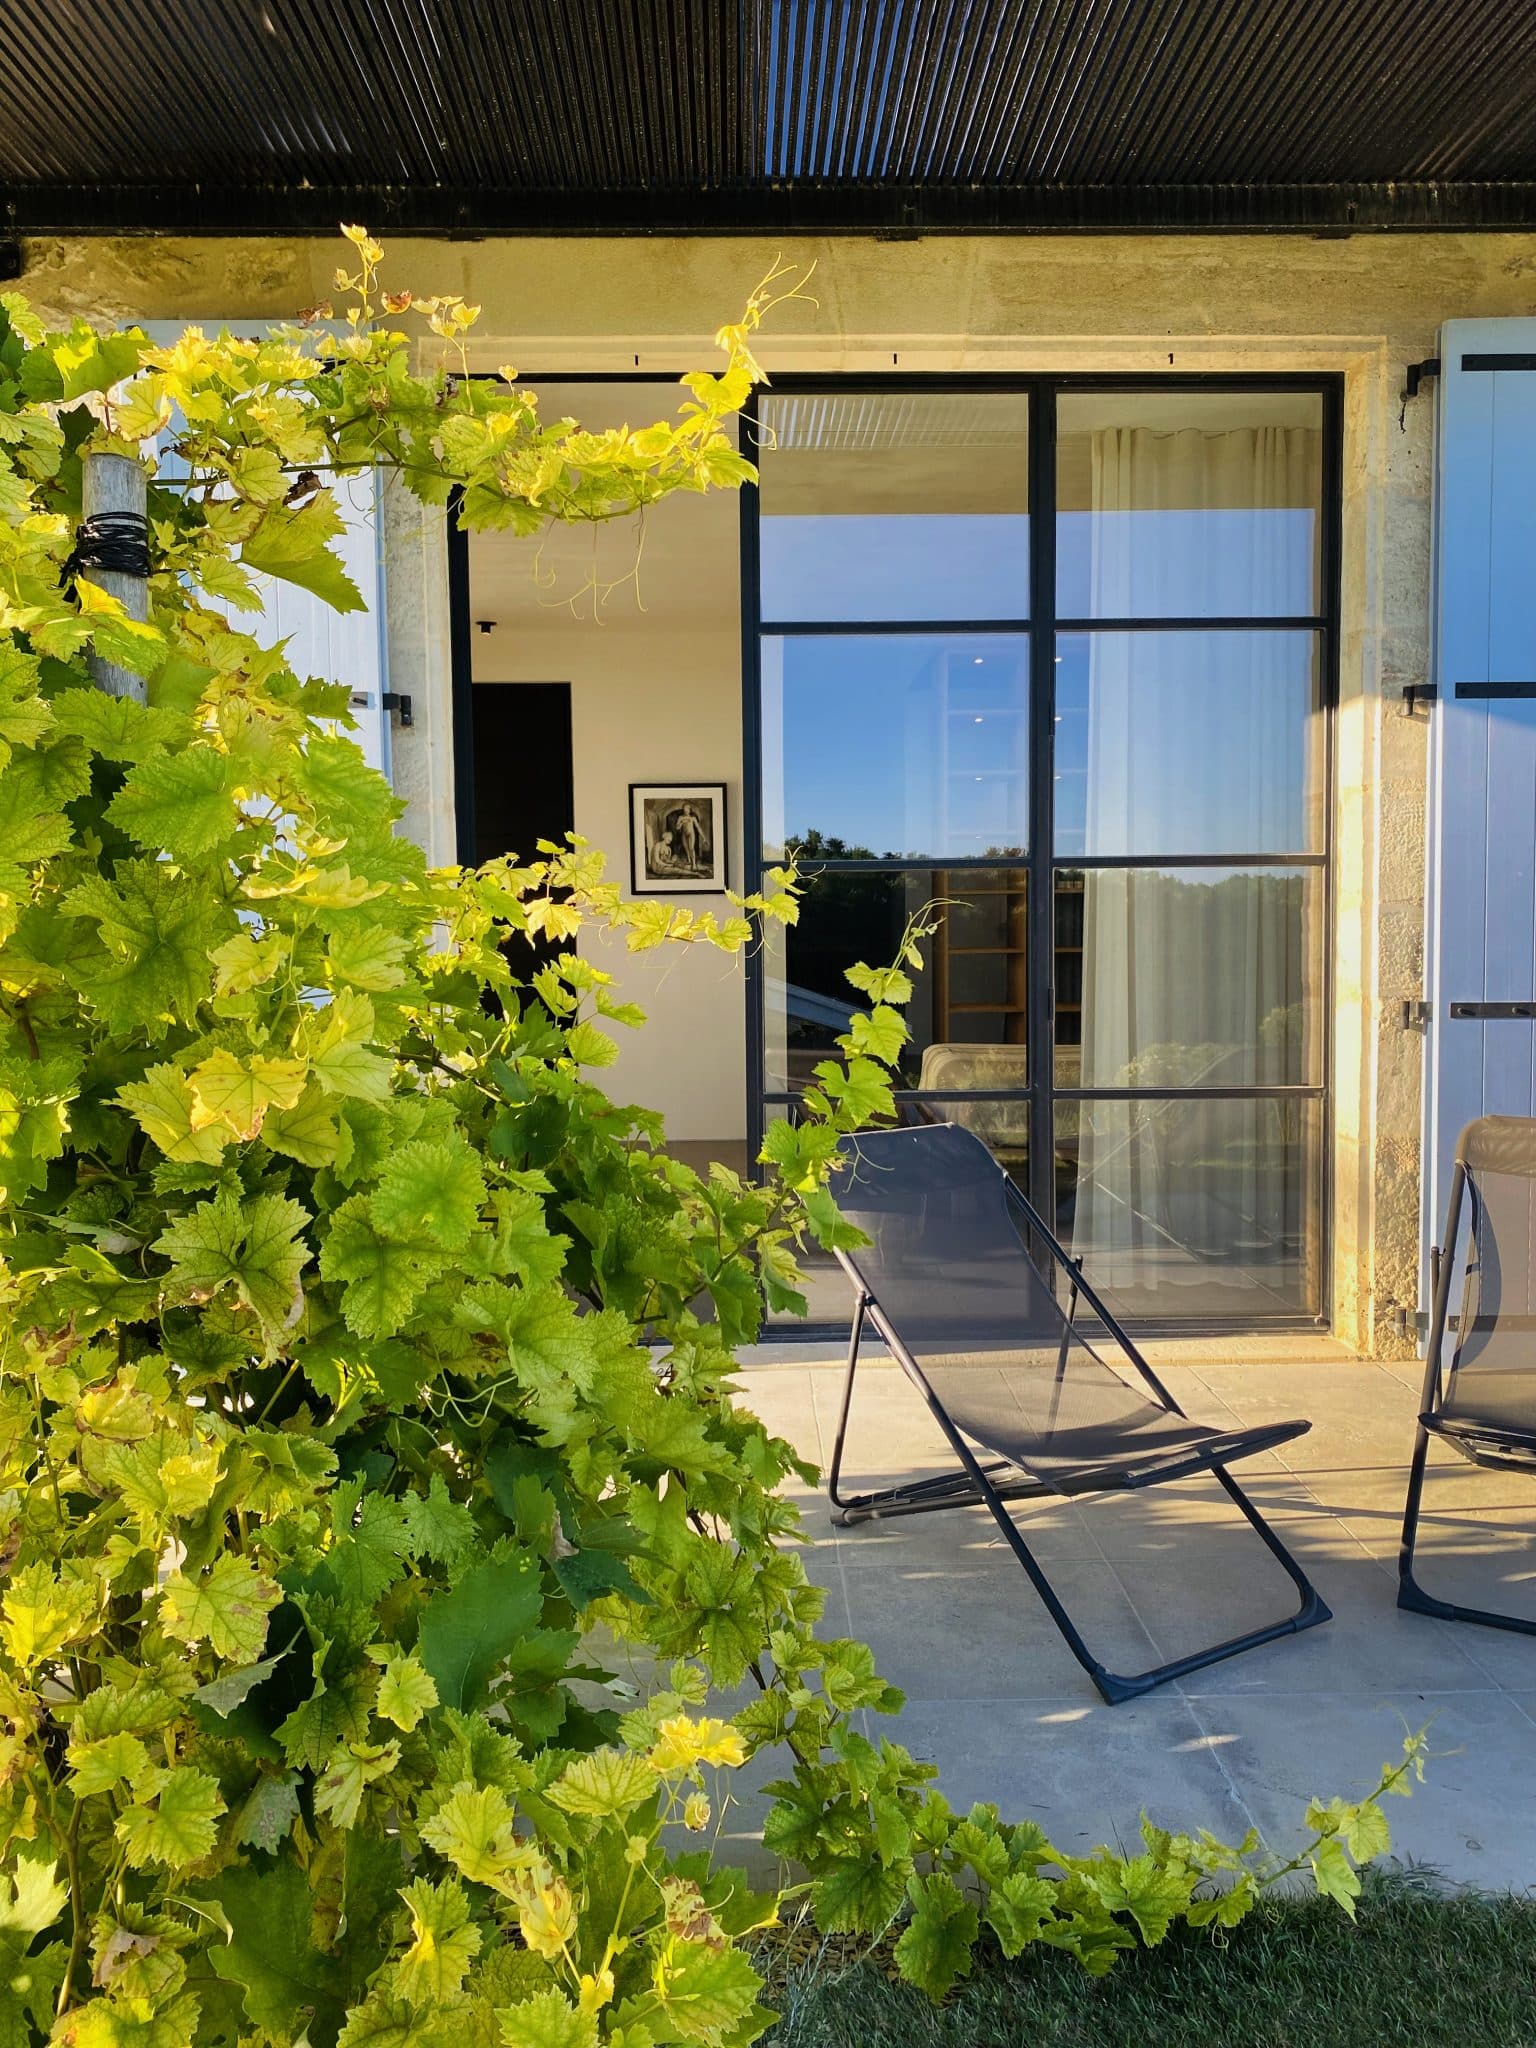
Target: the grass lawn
(1424, 1970)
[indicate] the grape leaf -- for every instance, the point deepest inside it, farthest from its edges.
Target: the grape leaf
(857, 1895)
(227, 1605)
(406, 1693)
(292, 545)
(443, 1944)
(380, 1279)
(468, 1632)
(286, 1981)
(179, 1827)
(158, 928)
(162, 1106)
(436, 1525)
(707, 1992)
(549, 2020)
(934, 1950)
(433, 1188)
(181, 804)
(253, 1246)
(31, 1896)
(269, 1812)
(238, 1092)
(604, 1784)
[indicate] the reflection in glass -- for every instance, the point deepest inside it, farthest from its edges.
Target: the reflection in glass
(894, 505)
(1187, 1208)
(969, 1011)
(1202, 742)
(1188, 505)
(900, 745)
(1193, 978)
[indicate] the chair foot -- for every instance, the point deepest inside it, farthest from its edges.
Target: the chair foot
(1118, 1686)
(1412, 1597)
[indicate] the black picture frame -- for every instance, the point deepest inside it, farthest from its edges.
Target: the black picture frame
(678, 838)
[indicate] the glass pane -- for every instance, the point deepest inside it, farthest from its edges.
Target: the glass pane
(896, 745)
(969, 1010)
(1193, 978)
(894, 505)
(1200, 742)
(1188, 1209)
(1188, 505)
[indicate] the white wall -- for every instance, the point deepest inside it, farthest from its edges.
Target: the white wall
(655, 696)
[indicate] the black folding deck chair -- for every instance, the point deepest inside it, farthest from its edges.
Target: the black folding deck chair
(1028, 1404)
(1483, 1403)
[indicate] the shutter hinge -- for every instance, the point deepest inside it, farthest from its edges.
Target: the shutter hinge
(399, 703)
(1415, 694)
(1417, 372)
(1416, 1013)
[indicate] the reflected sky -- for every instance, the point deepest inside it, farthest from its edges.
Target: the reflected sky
(903, 744)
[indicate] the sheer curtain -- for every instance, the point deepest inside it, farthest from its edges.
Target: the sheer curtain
(1196, 744)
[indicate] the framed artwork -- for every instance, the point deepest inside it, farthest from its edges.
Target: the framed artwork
(677, 838)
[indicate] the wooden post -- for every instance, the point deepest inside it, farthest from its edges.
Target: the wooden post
(116, 484)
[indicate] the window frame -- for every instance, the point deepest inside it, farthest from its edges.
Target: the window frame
(1043, 863)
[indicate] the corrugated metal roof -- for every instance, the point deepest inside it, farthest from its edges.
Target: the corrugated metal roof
(485, 116)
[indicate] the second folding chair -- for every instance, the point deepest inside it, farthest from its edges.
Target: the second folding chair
(1481, 1400)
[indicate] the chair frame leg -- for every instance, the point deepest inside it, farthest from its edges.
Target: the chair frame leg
(977, 1489)
(1410, 1594)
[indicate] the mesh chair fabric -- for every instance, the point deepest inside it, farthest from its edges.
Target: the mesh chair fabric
(1491, 1381)
(980, 1321)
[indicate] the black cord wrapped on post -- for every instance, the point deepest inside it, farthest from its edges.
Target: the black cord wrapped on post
(112, 548)
(114, 541)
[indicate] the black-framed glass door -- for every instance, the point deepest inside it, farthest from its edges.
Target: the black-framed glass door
(1058, 655)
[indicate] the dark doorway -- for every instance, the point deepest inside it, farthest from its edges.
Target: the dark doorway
(523, 778)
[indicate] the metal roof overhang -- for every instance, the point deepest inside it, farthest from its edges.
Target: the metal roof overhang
(483, 117)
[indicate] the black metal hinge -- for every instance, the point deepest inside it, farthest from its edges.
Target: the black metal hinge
(1416, 1013)
(399, 703)
(1417, 372)
(1415, 694)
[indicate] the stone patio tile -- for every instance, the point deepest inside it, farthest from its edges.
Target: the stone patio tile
(1478, 1555)
(1084, 1773)
(1464, 1820)
(1226, 1586)
(962, 1538)
(890, 1431)
(983, 1635)
(1324, 1393)
(1375, 1496)
(1154, 1523)
(1508, 1659)
(784, 1401)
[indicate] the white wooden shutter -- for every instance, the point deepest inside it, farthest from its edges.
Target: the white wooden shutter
(343, 647)
(1480, 942)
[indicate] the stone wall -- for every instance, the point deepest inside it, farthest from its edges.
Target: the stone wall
(1365, 306)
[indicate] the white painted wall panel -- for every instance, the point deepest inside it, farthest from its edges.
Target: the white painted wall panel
(1481, 938)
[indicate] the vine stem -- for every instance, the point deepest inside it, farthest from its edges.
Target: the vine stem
(71, 1841)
